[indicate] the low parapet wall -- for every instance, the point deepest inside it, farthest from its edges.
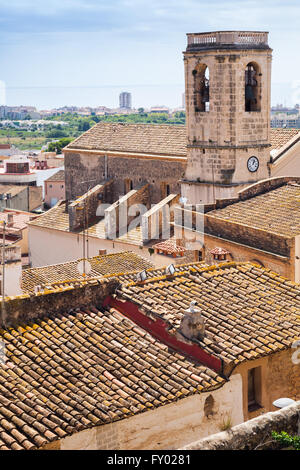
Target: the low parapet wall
(26, 308)
(119, 215)
(255, 433)
(157, 220)
(84, 209)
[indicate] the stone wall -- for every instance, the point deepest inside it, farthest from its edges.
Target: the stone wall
(253, 434)
(85, 167)
(246, 235)
(27, 308)
(84, 209)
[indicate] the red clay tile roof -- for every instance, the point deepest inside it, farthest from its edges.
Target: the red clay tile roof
(165, 139)
(159, 139)
(76, 370)
(280, 137)
(275, 211)
(67, 273)
(249, 310)
(170, 246)
(218, 251)
(58, 176)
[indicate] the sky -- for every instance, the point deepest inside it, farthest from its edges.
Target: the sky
(85, 52)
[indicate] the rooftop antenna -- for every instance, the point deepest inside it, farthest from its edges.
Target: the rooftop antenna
(85, 233)
(3, 311)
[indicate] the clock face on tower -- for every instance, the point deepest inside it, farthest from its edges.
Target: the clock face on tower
(253, 164)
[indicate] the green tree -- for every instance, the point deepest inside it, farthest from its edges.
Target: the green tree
(59, 145)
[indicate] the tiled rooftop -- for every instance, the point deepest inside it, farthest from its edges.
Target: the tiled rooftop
(58, 176)
(66, 272)
(20, 219)
(11, 188)
(58, 219)
(276, 211)
(170, 247)
(154, 139)
(249, 311)
(74, 371)
(280, 137)
(134, 138)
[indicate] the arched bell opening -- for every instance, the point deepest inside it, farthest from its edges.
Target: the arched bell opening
(252, 88)
(201, 88)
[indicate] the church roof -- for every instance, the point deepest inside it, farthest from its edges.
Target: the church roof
(157, 139)
(154, 139)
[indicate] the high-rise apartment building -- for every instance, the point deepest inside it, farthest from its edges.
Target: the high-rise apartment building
(125, 100)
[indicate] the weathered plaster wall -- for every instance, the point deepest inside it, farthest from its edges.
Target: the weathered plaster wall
(280, 377)
(167, 427)
(253, 434)
(47, 246)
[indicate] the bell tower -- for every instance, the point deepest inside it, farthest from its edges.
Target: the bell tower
(227, 90)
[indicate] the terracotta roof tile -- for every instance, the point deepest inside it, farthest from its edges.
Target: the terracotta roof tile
(275, 211)
(165, 139)
(233, 299)
(280, 137)
(66, 273)
(58, 219)
(134, 138)
(73, 371)
(58, 176)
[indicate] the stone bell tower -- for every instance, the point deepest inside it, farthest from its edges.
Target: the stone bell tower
(227, 90)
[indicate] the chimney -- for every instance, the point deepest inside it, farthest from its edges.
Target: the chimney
(10, 219)
(192, 325)
(219, 254)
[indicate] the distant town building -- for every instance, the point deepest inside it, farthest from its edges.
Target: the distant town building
(125, 100)
(159, 109)
(55, 188)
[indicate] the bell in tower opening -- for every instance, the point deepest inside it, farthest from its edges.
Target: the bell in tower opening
(201, 78)
(251, 88)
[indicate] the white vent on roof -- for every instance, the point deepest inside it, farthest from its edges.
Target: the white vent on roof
(170, 269)
(142, 276)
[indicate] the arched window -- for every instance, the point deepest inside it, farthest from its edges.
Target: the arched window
(201, 88)
(252, 87)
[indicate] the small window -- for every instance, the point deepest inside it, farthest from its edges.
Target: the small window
(254, 389)
(167, 189)
(62, 186)
(50, 185)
